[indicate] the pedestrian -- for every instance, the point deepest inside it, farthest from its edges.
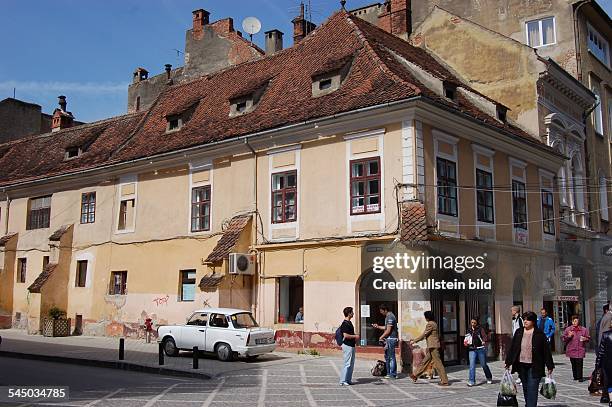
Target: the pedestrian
(432, 337)
(348, 347)
(576, 338)
(517, 322)
(529, 353)
(604, 362)
(476, 341)
(390, 339)
(299, 317)
(546, 325)
(604, 324)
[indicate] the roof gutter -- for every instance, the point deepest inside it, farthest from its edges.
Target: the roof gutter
(237, 140)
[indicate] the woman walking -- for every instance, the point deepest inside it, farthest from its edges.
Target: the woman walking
(529, 353)
(576, 338)
(476, 340)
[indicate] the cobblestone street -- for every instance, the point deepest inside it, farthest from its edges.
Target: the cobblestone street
(298, 382)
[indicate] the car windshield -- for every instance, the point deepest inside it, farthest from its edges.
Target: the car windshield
(244, 320)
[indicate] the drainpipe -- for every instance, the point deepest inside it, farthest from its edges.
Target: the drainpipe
(577, 41)
(8, 209)
(255, 219)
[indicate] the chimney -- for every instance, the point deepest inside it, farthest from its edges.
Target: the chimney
(396, 18)
(301, 26)
(200, 19)
(274, 41)
(140, 74)
(168, 69)
(62, 102)
(62, 119)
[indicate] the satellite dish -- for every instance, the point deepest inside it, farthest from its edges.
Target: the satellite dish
(251, 25)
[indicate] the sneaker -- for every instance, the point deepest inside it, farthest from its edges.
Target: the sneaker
(344, 384)
(470, 384)
(490, 381)
(517, 381)
(390, 377)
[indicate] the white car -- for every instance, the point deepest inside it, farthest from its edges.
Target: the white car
(227, 332)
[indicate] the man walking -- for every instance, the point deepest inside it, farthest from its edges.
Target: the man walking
(390, 338)
(517, 321)
(546, 325)
(348, 347)
(432, 337)
(604, 323)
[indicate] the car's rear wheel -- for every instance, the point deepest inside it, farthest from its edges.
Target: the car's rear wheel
(224, 352)
(170, 348)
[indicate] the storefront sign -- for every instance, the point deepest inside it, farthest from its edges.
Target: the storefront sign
(571, 298)
(548, 291)
(365, 311)
(565, 273)
(573, 284)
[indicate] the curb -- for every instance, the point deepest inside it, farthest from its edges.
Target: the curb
(105, 364)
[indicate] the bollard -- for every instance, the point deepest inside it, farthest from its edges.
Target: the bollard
(195, 357)
(161, 353)
(121, 348)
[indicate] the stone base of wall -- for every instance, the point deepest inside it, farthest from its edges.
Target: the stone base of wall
(117, 329)
(6, 321)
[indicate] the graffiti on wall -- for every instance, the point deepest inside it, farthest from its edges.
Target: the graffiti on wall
(161, 300)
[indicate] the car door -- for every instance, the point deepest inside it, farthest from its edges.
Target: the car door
(194, 333)
(218, 331)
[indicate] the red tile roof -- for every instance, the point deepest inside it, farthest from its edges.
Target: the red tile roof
(57, 235)
(376, 77)
(414, 225)
(229, 238)
(210, 281)
(5, 239)
(42, 278)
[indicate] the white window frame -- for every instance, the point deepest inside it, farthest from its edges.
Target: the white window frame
(550, 177)
(514, 162)
(128, 179)
(598, 122)
(480, 150)
(600, 38)
(195, 167)
(380, 216)
(540, 35)
(274, 170)
(454, 141)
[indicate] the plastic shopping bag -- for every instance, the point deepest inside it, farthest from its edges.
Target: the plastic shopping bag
(467, 341)
(507, 387)
(549, 388)
(506, 400)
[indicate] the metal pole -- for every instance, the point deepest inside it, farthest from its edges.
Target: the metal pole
(121, 348)
(195, 357)
(161, 353)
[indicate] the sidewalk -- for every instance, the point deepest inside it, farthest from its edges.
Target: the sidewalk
(139, 355)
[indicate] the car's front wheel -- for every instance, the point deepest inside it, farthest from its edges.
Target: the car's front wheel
(170, 348)
(224, 352)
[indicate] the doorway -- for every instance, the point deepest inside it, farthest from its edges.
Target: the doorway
(370, 299)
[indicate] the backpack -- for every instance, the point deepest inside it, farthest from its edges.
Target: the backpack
(379, 369)
(339, 336)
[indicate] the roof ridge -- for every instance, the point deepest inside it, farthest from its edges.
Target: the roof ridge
(385, 69)
(70, 129)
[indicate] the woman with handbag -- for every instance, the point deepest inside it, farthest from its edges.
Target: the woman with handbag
(476, 340)
(576, 338)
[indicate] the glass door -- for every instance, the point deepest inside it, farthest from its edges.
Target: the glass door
(450, 331)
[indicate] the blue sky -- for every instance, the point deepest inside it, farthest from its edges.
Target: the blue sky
(87, 50)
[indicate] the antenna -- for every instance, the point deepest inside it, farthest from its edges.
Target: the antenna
(251, 25)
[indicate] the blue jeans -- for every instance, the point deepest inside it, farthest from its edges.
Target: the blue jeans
(481, 354)
(348, 353)
(531, 385)
(390, 362)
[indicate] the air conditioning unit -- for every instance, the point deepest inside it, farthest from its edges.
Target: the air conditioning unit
(242, 264)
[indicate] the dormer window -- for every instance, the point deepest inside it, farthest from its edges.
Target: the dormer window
(501, 113)
(450, 91)
(245, 99)
(72, 152)
(174, 123)
(241, 107)
(330, 76)
(325, 84)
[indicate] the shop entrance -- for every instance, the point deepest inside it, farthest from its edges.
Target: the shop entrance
(370, 299)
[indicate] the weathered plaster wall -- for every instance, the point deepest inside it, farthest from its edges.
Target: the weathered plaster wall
(509, 74)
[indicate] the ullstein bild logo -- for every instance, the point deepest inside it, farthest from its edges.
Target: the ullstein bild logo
(412, 263)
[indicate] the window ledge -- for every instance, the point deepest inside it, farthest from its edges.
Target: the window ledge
(598, 60)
